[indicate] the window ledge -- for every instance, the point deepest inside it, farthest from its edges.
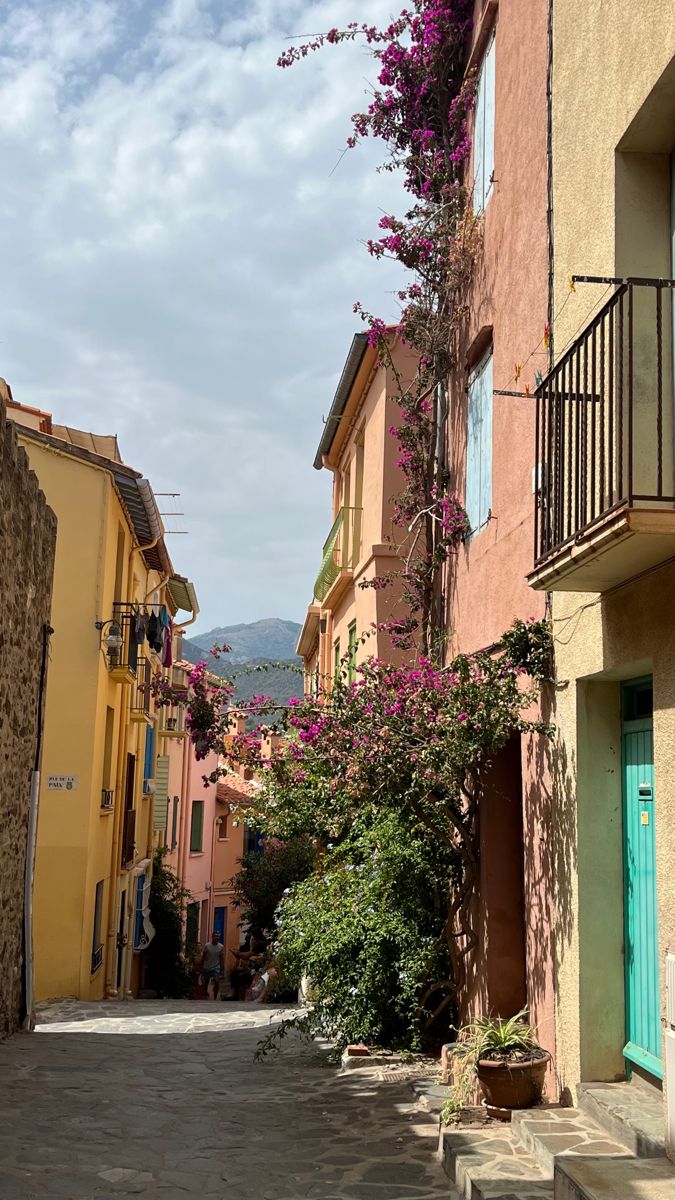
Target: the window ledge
(196, 854)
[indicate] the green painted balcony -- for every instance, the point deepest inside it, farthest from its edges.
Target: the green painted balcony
(340, 552)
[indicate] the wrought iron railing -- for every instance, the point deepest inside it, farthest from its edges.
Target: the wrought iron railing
(129, 837)
(604, 418)
(96, 958)
(141, 696)
(340, 551)
(107, 797)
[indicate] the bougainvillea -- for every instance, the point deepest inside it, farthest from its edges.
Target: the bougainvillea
(419, 109)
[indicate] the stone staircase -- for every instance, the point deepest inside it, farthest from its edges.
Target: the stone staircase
(610, 1148)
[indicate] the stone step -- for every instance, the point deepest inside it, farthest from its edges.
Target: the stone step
(489, 1164)
(632, 1113)
(614, 1179)
(549, 1133)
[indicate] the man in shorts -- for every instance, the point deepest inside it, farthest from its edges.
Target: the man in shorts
(212, 964)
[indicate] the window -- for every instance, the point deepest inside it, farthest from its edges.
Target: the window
(140, 937)
(96, 945)
(192, 928)
(174, 823)
(223, 827)
(197, 826)
(336, 658)
(351, 669)
(478, 498)
(149, 764)
(484, 131)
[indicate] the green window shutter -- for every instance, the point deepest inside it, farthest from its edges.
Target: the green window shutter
(161, 793)
(197, 826)
(336, 659)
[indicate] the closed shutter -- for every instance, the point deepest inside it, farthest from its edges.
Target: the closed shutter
(149, 763)
(478, 492)
(484, 131)
(489, 134)
(197, 826)
(161, 793)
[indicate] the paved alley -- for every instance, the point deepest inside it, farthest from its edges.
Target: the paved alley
(164, 1100)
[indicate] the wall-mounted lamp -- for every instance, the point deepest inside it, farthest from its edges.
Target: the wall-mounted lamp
(113, 640)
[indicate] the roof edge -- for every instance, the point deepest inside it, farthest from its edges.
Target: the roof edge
(350, 370)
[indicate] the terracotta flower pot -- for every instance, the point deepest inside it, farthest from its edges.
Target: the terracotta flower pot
(507, 1085)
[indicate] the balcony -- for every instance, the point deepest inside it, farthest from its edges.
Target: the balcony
(123, 658)
(340, 552)
(107, 799)
(129, 838)
(605, 470)
(141, 693)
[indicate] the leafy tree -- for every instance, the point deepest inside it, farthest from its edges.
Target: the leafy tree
(264, 877)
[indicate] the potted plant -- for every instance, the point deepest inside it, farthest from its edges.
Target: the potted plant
(508, 1061)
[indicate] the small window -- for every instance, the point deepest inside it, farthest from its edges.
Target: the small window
(96, 944)
(336, 658)
(174, 823)
(197, 826)
(149, 763)
(484, 131)
(223, 827)
(140, 936)
(351, 668)
(478, 495)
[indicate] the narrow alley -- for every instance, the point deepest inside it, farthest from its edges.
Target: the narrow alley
(165, 1101)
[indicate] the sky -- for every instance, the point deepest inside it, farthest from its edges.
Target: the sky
(181, 244)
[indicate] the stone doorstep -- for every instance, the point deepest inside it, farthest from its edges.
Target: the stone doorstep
(543, 1144)
(632, 1113)
(549, 1133)
(614, 1179)
(488, 1164)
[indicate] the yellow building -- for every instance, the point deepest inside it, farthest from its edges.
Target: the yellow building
(605, 541)
(114, 588)
(357, 448)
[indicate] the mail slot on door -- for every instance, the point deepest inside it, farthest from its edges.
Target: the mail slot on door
(645, 791)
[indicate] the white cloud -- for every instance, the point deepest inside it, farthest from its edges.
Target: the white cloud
(179, 263)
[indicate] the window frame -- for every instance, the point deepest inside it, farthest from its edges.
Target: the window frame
(352, 643)
(197, 807)
(484, 129)
(479, 436)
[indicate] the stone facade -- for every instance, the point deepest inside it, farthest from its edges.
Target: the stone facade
(27, 546)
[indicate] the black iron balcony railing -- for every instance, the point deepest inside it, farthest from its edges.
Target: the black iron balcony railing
(604, 419)
(107, 798)
(129, 837)
(96, 958)
(141, 695)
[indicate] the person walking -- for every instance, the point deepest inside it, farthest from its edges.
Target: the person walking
(213, 964)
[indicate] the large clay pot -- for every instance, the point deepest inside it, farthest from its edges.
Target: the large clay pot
(507, 1085)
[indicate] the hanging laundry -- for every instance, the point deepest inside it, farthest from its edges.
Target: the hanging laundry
(139, 625)
(167, 660)
(155, 633)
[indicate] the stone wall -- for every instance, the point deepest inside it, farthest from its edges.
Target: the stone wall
(27, 546)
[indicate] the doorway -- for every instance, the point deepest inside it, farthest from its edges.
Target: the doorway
(643, 1025)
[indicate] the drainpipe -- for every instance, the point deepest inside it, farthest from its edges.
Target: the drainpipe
(31, 838)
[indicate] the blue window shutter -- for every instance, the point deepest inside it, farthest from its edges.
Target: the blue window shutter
(149, 768)
(486, 441)
(138, 922)
(489, 125)
(478, 144)
(478, 493)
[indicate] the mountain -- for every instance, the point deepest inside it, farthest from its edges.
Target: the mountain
(271, 640)
(254, 647)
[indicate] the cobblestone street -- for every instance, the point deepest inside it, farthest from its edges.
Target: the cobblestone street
(164, 1100)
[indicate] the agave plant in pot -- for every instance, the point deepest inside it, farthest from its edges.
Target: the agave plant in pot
(508, 1061)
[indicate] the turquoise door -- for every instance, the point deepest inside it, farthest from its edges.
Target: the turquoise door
(643, 1024)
